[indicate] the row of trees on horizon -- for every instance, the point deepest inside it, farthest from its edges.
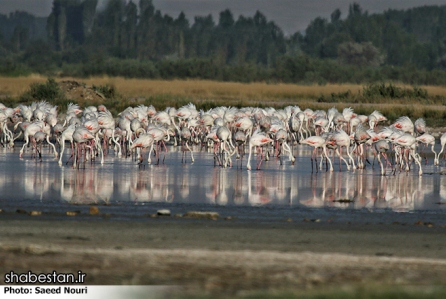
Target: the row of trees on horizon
(136, 40)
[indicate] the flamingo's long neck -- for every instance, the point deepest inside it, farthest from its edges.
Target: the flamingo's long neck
(248, 166)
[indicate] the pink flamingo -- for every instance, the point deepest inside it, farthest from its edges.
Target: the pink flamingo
(317, 142)
(185, 138)
(67, 134)
(30, 130)
(381, 147)
(428, 139)
(244, 124)
(81, 136)
(159, 137)
(408, 142)
(144, 141)
(227, 149)
(342, 139)
(281, 137)
(348, 115)
(240, 141)
(258, 139)
(404, 124)
(106, 121)
(420, 126)
(320, 124)
(443, 143)
(37, 139)
(361, 137)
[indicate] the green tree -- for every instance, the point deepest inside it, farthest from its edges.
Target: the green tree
(202, 42)
(129, 30)
(362, 54)
(20, 38)
(224, 37)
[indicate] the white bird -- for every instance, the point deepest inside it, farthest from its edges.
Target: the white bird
(258, 140)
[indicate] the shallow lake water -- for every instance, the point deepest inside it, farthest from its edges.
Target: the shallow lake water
(28, 184)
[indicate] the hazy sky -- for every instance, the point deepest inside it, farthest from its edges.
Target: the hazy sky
(290, 15)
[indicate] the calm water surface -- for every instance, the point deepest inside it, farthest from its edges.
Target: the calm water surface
(27, 183)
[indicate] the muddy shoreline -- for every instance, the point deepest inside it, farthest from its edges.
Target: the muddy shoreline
(227, 255)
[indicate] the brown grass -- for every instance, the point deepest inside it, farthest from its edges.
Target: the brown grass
(204, 89)
(15, 86)
(207, 94)
(201, 89)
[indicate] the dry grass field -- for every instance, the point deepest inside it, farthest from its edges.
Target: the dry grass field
(206, 94)
(200, 89)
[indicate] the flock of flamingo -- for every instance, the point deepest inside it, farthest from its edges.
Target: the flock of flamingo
(93, 132)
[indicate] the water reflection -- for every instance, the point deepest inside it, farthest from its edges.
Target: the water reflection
(122, 181)
(86, 187)
(148, 186)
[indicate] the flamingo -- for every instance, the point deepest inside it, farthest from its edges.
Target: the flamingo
(408, 142)
(373, 122)
(244, 124)
(81, 136)
(258, 139)
(93, 126)
(37, 139)
(321, 125)
(151, 112)
(106, 121)
(342, 139)
(185, 138)
(67, 134)
(404, 124)
(428, 139)
(281, 137)
(7, 137)
(240, 140)
(348, 115)
(227, 149)
(303, 120)
(420, 126)
(30, 130)
(317, 142)
(381, 147)
(159, 137)
(144, 141)
(442, 143)
(331, 113)
(379, 116)
(361, 137)
(339, 121)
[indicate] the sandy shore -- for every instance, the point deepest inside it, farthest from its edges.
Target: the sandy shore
(226, 256)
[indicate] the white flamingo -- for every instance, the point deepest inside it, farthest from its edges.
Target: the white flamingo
(258, 140)
(317, 142)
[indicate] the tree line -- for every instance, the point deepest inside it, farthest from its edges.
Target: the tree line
(136, 40)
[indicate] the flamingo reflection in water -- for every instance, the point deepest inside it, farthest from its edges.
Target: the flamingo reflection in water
(378, 191)
(240, 187)
(81, 187)
(217, 187)
(344, 190)
(36, 181)
(318, 194)
(147, 186)
(259, 194)
(401, 193)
